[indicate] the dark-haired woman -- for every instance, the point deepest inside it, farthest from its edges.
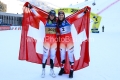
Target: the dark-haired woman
(66, 41)
(50, 44)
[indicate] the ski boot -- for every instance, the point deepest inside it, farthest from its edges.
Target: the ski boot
(52, 73)
(61, 72)
(71, 74)
(43, 73)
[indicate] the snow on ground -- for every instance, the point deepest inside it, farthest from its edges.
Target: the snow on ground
(104, 54)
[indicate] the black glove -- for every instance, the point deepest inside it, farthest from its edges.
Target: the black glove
(29, 6)
(85, 10)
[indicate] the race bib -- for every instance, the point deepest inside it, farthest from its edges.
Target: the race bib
(50, 30)
(64, 30)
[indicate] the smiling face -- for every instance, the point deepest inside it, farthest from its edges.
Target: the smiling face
(52, 17)
(61, 16)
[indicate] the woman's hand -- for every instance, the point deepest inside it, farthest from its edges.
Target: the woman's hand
(85, 10)
(29, 6)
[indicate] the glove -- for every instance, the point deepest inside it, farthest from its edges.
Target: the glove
(29, 6)
(26, 4)
(85, 10)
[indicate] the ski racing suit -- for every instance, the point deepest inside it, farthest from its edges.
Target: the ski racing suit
(66, 38)
(67, 41)
(50, 39)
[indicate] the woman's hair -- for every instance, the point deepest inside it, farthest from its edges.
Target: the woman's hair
(52, 12)
(59, 21)
(54, 20)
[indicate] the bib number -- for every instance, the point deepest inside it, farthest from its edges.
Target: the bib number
(51, 29)
(63, 29)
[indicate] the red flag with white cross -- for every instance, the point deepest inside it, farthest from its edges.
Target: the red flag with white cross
(33, 33)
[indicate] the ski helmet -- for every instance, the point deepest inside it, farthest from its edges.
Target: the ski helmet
(52, 12)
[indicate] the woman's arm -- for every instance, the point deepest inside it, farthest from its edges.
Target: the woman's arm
(73, 17)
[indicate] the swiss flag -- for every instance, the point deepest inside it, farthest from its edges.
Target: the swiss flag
(33, 32)
(80, 34)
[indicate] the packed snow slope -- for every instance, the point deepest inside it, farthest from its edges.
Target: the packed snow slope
(104, 52)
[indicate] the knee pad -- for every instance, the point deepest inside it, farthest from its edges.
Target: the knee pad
(45, 54)
(70, 54)
(62, 53)
(52, 54)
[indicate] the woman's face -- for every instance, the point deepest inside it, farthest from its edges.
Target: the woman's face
(61, 16)
(52, 17)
